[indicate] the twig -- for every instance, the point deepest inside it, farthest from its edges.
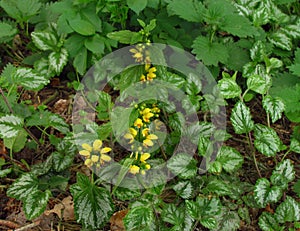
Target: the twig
(253, 154)
(9, 224)
(12, 112)
(35, 223)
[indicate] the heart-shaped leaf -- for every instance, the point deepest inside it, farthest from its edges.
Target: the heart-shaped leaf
(273, 106)
(183, 165)
(241, 118)
(288, 211)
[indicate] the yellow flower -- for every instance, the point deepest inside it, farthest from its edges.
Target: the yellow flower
(88, 162)
(137, 53)
(138, 123)
(97, 145)
(147, 114)
(148, 141)
(133, 169)
(87, 147)
(95, 158)
(143, 78)
(145, 132)
(158, 124)
(144, 157)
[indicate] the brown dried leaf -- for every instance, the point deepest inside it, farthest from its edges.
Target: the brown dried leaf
(64, 210)
(116, 221)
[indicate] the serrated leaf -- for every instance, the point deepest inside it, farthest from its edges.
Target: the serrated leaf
(57, 60)
(83, 27)
(93, 205)
(44, 40)
(177, 7)
(62, 161)
(125, 36)
(139, 218)
(95, 44)
(229, 88)
(258, 52)
(16, 143)
(10, 125)
(288, 211)
(264, 193)
(183, 165)
(228, 221)
(267, 222)
(295, 145)
(35, 204)
(29, 79)
(124, 194)
(281, 40)
(184, 189)
(266, 140)
(193, 84)
(218, 187)
(7, 32)
(242, 29)
(273, 106)
(283, 173)
(241, 118)
(209, 52)
(137, 5)
(230, 159)
(258, 84)
(295, 67)
(204, 210)
(23, 186)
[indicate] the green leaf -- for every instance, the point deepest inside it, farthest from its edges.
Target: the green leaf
(125, 36)
(258, 52)
(288, 211)
(193, 84)
(229, 88)
(23, 187)
(241, 118)
(5, 172)
(230, 159)
(64, 156)
(137, 5)
(80, 61)
(10, 125)
(183, 165)
(267, 222)
(44, 40)
(208, 52)
(281, 40)
(258, 84)
(204, 210)
(29, 79)
(7, 32)
(273, 106)
(95, 44)
(57, 60)
(196, 9)
(16, 143)
(93, 205)
(219, 187)
(124, 194)
(264, 193)
(266, 140)
(296, 188)
(140, 218)
(228, 221)
(283, 174)
(295, 67)
(83, 27)
(130, 76)
(295, 145)
(35, 204)
(184, 189)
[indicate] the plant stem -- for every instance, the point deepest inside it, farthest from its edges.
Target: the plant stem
(253, 153)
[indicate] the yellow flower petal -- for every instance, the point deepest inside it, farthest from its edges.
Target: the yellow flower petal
(148, 142)
(133, 132)
(138, 123)
(134, 169)
(152, 69)
(128, 136)
(152, 137)
(105, 150)
(146, 111)
(145, 132)
(95, 158)
(143, 172)
(84, 153)
(145, 156)
(147, 166)
(87, 147)
(105, 157)
(97, 145)
(88, 162)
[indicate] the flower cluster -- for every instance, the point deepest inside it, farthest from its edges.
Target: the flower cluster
(140, 132)
(139, 165)
(150, 73)
(95, 155)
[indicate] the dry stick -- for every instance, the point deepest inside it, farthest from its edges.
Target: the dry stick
(12, 112)
(9, 224)
(253, 154)
(26, 227)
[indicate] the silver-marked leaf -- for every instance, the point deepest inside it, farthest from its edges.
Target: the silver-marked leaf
(44, 40)
(35, 203)
(10, 125)
(241, 118)
(23, 186)
(288, 211)
(57, 60)
(184, 189)
(183, 165)
(228, 220)
(16, 143)
(219, 187)
(230, 159)
(274, 106)
(264, 193)
(258, 84)
(281, 40)
(29, 79)
(258, 51)
(266, 140)
(93, 205)
(283, 174)
(295, 145)
(229, 88)
(267, 222)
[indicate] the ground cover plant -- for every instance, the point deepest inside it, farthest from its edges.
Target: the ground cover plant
(150, 115)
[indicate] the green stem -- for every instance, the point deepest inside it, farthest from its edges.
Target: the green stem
(286, 154)
(253, 154)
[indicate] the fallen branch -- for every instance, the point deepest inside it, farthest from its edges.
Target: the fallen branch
(9, 224)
